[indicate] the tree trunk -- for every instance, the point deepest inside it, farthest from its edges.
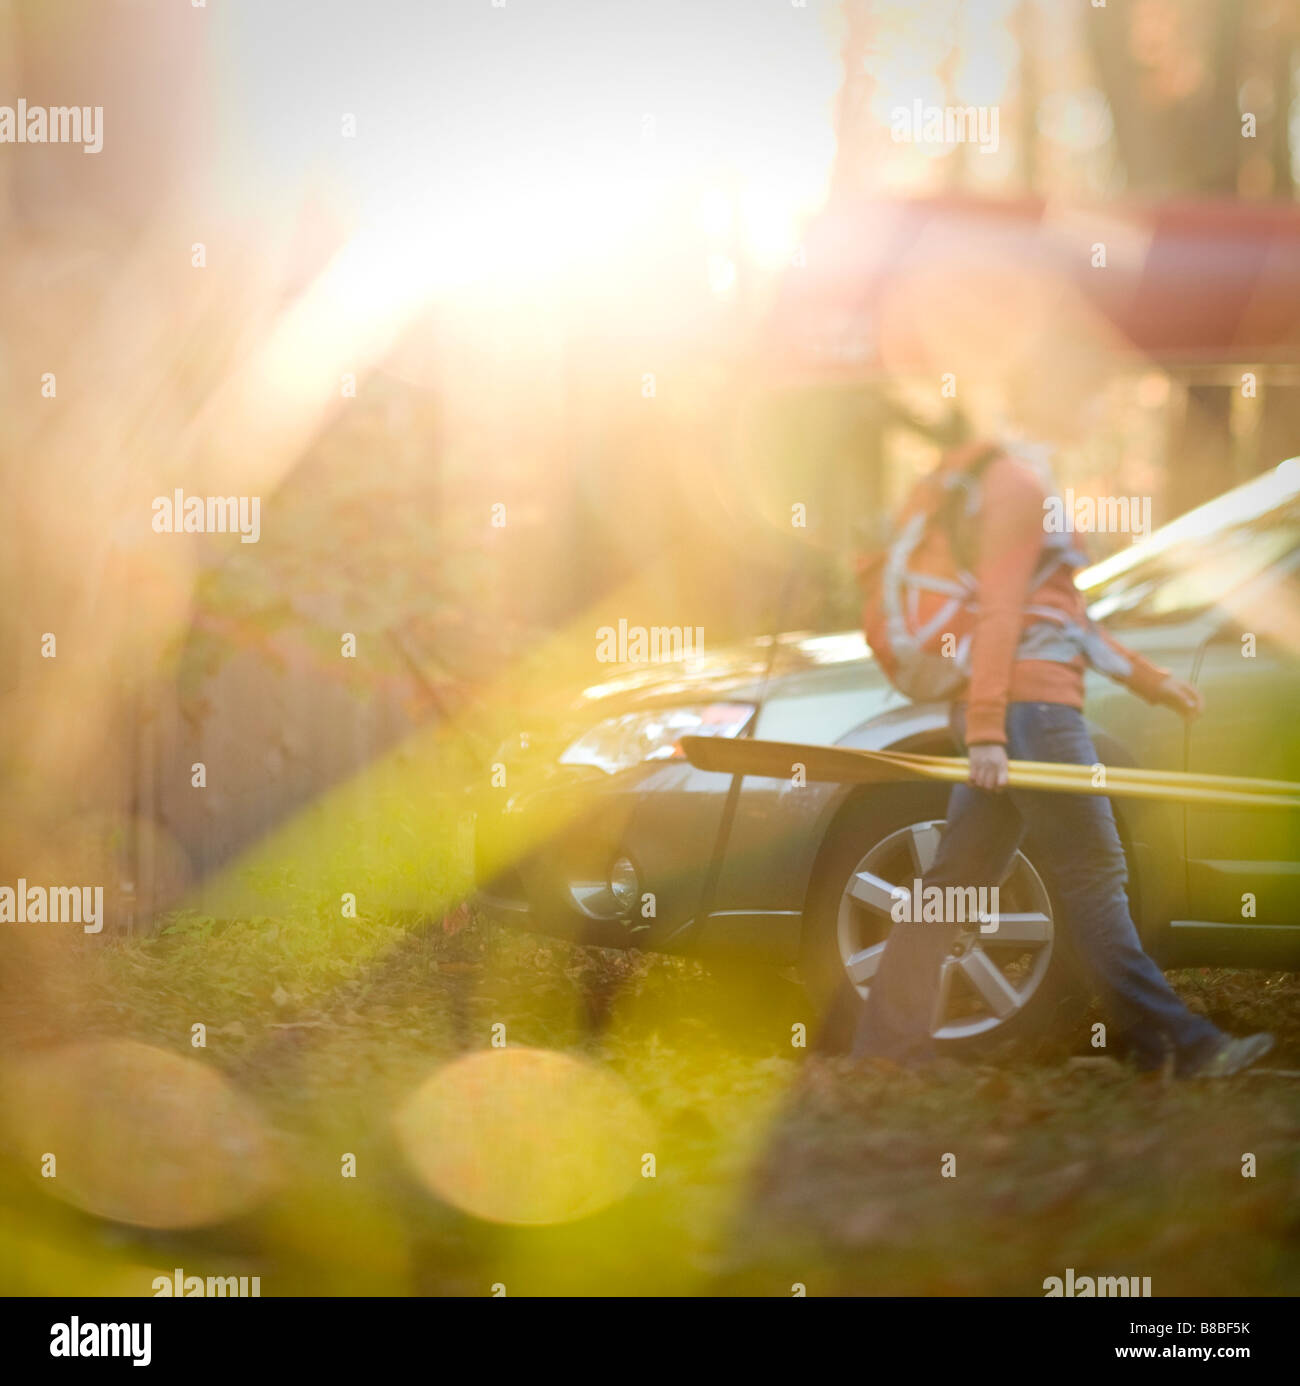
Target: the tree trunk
(1199, 462)
(1279, 426)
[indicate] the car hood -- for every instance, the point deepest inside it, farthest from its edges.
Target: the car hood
(738, 671)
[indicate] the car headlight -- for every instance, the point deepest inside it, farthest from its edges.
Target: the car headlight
(622, 742)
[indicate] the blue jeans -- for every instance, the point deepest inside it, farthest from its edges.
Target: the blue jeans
(1074, 844)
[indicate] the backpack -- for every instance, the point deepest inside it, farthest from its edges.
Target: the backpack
(922, 599)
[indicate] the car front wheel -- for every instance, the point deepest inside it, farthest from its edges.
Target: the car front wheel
(1008, 986)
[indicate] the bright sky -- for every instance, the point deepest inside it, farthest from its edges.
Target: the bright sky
(525, 137)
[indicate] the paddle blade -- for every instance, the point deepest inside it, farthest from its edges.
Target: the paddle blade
(777, 760)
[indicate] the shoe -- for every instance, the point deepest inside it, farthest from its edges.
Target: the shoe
(1233, 1055)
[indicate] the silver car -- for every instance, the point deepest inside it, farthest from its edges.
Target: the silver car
(608, 836)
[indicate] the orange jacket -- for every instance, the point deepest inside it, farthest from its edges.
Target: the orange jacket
(1008, 543)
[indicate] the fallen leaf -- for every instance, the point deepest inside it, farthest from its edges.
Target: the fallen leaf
(455, 919)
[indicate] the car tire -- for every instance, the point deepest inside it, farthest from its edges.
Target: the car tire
(1034, 1005)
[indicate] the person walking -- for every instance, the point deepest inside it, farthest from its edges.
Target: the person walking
(1025, 657)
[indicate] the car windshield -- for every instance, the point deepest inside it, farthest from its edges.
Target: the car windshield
(1193, 574)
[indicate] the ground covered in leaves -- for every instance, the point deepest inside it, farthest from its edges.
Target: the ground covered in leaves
(772, 1167)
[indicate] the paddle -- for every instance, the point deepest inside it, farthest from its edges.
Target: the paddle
(848, 765)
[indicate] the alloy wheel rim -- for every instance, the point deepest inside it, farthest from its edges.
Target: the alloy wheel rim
(988, 978)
